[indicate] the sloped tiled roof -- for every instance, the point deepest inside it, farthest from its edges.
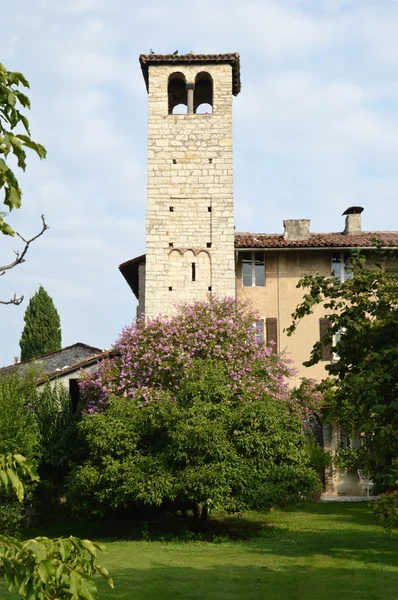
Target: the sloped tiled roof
(40, 362)
(191, 58)
(82, 364)
(317, 240)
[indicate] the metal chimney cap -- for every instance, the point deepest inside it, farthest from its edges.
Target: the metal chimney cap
(353, 210)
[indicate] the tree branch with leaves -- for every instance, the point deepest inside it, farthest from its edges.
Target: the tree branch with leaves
(44, 568)
(15, 139)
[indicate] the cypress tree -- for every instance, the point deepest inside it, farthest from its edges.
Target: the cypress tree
(42, 331)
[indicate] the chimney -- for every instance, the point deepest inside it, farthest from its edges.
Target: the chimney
(353, 220)
(296, 229)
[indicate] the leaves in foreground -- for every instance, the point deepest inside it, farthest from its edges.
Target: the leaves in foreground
(50, 569)
(43, 568)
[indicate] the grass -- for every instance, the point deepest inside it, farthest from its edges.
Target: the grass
(320, 551)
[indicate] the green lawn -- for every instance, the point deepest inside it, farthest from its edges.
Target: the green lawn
(321, 552)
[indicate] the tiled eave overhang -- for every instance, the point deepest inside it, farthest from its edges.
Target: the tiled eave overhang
(146, 60)
(325, 241)
(129, 270)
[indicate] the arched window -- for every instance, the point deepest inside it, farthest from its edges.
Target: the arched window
(177, 94)
(203, 95)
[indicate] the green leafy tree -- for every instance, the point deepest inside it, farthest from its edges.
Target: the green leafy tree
(193, 410)
(203, 449)
(15, 139)
(42, 331)
(363, 316)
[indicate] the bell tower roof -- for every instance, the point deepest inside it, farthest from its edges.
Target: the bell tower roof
(232, 59)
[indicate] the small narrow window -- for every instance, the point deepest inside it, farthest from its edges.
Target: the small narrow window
(193, 271)
(208, 245)
(174, 161)
(170, 288)
(341, 267)
(171, 208)
(171, 245)
(259, 327)
(210, 161)
(336, 340)
(209, 288)
(253, 269)
(209, 209)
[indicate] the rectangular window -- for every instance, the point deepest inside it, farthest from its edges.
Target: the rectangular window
(259, 325)
(253, 269)
(341, 266)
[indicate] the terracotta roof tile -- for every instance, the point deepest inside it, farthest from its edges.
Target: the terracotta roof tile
(190, 58)
(316, 240)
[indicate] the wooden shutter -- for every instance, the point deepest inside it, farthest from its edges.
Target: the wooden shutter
(272, 332)
(324, 326)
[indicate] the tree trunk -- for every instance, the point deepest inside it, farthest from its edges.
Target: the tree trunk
(201, 516)
(203, 519)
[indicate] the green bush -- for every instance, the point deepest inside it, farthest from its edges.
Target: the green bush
(57, 425)
(19, 432)
(11, 514)
(204, 448)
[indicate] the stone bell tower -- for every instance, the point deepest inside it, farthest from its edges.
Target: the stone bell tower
(190, 208)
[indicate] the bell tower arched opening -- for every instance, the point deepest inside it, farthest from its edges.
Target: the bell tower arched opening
(203, 94)
(177, 94)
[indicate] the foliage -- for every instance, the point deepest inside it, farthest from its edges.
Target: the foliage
(364, 312)
(12, 514)
(18, 434)
(318, 457)
(18, 427)
(157, 355)
(348, 458)
(11, 142)
(12, 468)
(201, 447)
(385, 510)
(43, 568)
(42, 331)
(205, 418)
(57, 426)
(47, 569)
(307, 397)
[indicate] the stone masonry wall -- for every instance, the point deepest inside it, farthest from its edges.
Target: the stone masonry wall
(190, 215)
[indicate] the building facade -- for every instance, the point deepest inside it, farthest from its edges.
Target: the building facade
(192, 249)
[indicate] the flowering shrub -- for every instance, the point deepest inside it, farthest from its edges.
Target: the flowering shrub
(193, 409)
(156, 355)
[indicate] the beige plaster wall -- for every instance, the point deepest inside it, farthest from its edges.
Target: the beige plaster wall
(189, 169)
(279, 298)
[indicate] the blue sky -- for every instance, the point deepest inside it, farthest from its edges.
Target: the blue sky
(315, 131)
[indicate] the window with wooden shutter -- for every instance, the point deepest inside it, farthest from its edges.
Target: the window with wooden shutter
(324, 326)
(272, 332)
